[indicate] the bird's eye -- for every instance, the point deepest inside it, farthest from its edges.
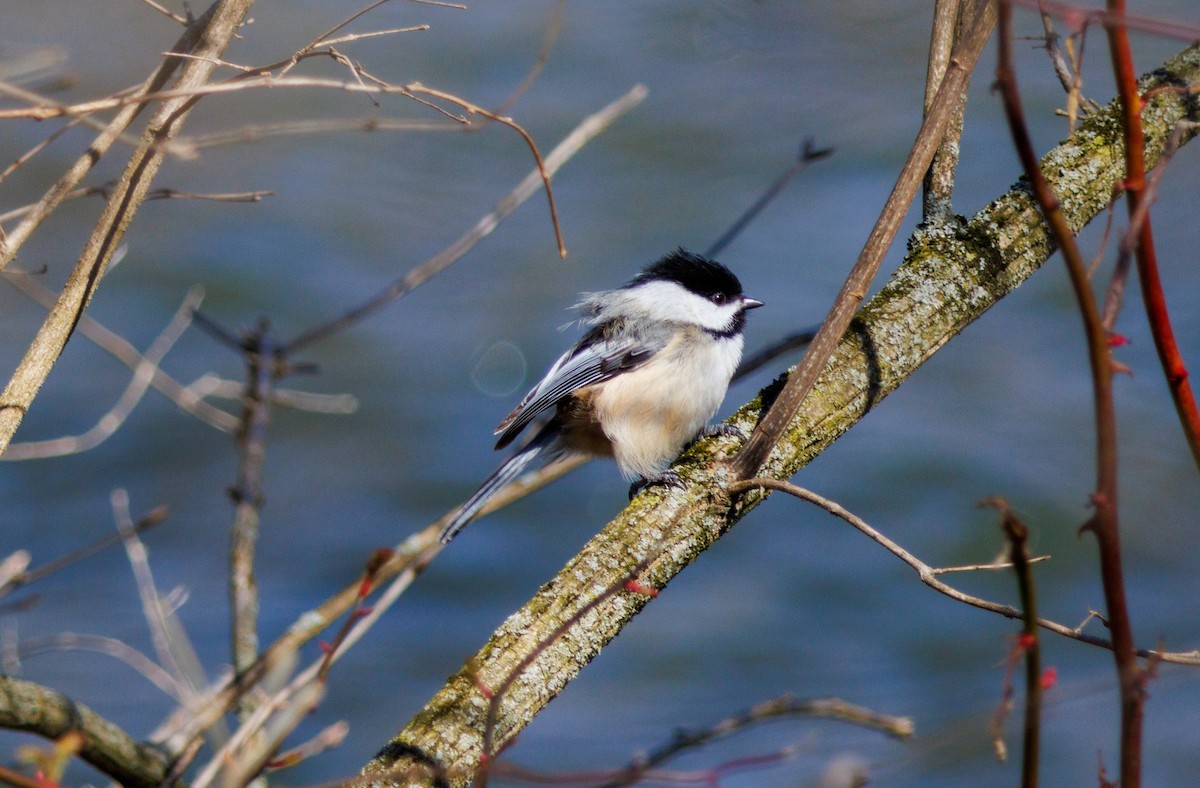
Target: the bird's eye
(720, 299)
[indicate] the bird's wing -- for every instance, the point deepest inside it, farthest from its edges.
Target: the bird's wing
(593, 360)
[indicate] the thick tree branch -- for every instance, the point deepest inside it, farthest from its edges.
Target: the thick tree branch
(950, 277)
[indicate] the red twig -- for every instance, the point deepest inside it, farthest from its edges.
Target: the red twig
(1143, 234)
(1104, 522)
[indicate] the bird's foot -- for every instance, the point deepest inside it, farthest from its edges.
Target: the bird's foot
(667, 478)
(722, 430)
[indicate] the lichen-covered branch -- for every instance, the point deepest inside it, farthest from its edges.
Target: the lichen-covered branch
(26, 706)
(950, 277)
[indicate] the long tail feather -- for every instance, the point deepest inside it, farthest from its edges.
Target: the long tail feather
(510, 469)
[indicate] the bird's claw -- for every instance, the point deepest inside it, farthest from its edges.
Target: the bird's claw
(722, 430)
(666, 478)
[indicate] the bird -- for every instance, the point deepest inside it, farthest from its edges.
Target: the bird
(642, 382)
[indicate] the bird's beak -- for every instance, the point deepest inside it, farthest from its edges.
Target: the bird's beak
(750, 303)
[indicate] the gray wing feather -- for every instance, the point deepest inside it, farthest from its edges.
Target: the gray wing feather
(586, 364)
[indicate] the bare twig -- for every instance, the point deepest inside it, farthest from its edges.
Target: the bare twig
(928, 574)
(785, 706)
(111, 421)
(373, 34)
(144, 523)
(74, 641)
(171, 645)
(583, 133)
(31, 97)
(809, 153)
(943, 570)
(29, 154)
(1079, 18)
(185, 397)
(258, 132)
(266, 363)
(1068, 68)
(327, 739)
(775, 421)
(1139, 196)
(154, 194)
(950, 18)
(112, 132)
(1028, 646)
(253, 79)
(183, 20)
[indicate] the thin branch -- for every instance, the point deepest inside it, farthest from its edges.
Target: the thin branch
(809, 153)
(183, 20)
(774, 422)
(75, 641)
(258, 132)
(1139, 197)
(105, 190)
(111, 421)
(112, 132)
(323, 38)
(266, 364)
(928, 574)
(373, 34)
(782, 707)
(77, 118)
(988, 567)
(329, 738)
(587, 130)
(1029, 645)
(185, 397)
(170, 643)
(143, 524)
(1079, 18)
(254, 80)
(950, 18)
(21, 160)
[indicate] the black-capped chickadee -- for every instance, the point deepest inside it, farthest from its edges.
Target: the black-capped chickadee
(641, 384)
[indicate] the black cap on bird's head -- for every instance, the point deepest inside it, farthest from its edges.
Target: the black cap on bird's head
(704, 277)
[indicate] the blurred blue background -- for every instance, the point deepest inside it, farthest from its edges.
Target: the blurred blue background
(791, 601)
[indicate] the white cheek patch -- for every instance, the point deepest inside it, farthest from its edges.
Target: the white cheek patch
(671, 302)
